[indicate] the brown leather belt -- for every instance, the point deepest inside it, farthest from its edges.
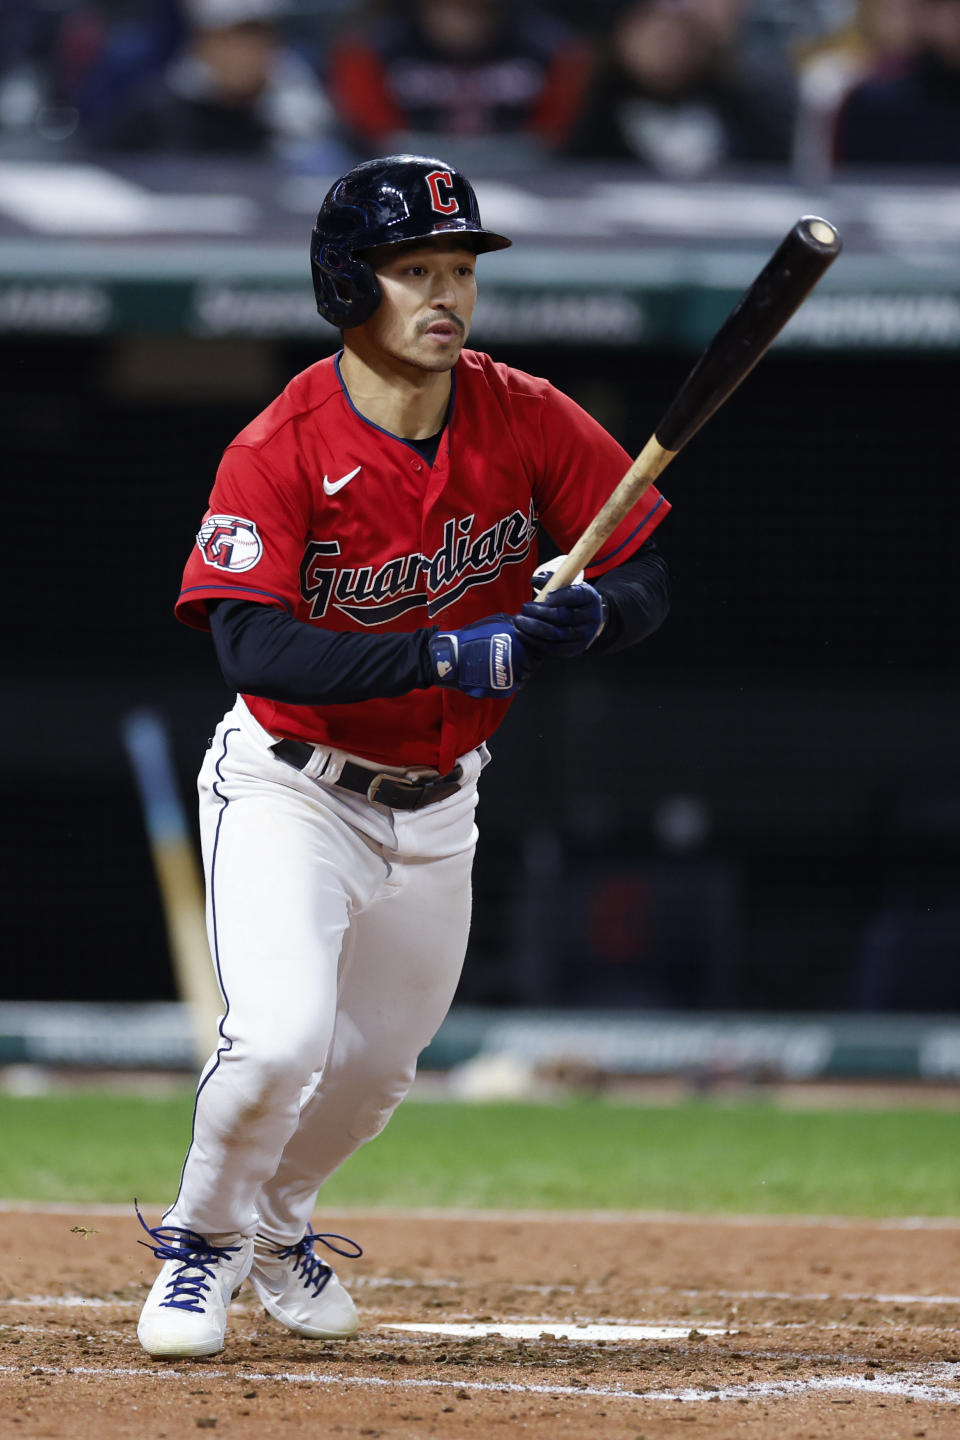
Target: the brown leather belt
(396, 791)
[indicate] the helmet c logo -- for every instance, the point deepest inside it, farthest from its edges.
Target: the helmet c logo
(443, 204)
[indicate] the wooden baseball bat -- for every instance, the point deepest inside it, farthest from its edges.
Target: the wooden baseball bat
(147, 743)
(747, 333)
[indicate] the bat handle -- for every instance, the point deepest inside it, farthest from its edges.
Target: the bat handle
(652, 460)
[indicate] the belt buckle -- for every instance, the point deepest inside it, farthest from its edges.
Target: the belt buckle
(403, 782)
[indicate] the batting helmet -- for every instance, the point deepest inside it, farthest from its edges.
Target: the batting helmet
(386, 202)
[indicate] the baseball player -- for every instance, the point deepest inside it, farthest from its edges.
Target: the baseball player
(365, 569)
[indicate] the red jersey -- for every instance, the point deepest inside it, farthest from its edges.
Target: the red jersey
(320, 511)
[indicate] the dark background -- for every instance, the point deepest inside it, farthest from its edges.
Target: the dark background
(801, 700)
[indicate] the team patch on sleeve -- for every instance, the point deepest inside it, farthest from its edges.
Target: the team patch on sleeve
(229, 542)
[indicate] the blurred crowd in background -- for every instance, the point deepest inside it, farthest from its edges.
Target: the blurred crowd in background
(678, 89)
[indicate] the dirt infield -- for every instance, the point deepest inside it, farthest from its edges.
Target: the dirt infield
(772, 1329)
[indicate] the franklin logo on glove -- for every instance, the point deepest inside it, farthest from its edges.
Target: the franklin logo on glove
(502, 677)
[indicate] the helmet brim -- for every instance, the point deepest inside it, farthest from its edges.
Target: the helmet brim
(479, 241)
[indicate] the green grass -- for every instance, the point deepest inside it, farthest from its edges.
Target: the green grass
(587, 1154)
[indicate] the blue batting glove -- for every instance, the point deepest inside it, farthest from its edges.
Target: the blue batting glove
(487, 659)
(565, 623)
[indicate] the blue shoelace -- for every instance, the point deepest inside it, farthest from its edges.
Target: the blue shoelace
(189, 1283)
(314, 1272)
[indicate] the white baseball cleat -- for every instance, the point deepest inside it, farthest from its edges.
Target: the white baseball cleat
(186, 1310)
(301, 1290)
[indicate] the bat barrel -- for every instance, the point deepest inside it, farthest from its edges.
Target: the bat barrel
(781, 287)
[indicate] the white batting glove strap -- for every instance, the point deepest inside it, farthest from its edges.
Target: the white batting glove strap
(543, 572)
(446, 664)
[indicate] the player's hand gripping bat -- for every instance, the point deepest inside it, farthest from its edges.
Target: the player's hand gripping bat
(751, 327)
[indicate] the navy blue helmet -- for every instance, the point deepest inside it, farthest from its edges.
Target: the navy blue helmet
(386, 202)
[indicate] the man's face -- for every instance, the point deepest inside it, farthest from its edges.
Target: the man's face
(239, 59)
(428, 297)
(460, 29)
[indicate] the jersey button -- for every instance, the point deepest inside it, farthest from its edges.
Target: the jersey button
(417, 465)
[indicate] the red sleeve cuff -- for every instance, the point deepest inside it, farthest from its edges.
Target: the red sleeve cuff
(621, 546)
(191, 606)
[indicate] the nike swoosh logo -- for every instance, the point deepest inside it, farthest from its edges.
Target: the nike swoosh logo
(330, 487)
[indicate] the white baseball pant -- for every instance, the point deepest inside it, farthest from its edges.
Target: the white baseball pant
(338, 930)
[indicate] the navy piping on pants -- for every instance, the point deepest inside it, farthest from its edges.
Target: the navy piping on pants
(228, 1045)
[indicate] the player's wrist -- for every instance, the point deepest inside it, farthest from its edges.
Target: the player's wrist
(486, 659)
(605, 613)
(564, 623)
(442, 656)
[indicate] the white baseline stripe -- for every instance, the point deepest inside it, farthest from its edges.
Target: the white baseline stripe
(609, 1328)
(799, 1295)
(378, 1282)
(912, 1384)
(69, 1302)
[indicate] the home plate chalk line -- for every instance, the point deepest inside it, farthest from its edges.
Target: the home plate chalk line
(934, 1384)
(913, 1385)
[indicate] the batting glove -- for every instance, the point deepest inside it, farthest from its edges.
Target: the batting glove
(486, 659)
(565, 622)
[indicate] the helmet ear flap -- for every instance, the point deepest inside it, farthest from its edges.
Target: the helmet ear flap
(346, 287)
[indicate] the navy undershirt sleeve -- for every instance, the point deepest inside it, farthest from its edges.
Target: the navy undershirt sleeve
(637, 594)
(264, 651)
